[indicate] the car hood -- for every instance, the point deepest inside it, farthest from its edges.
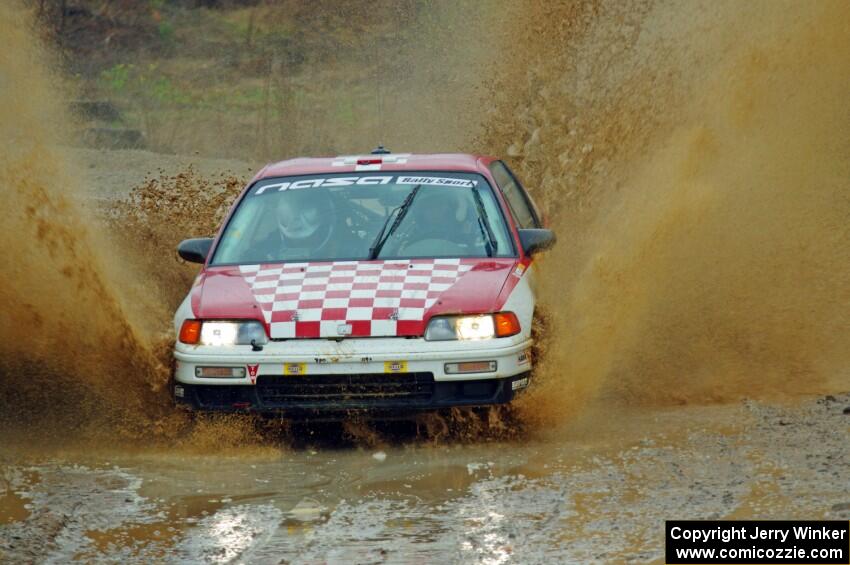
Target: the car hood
(351, 298)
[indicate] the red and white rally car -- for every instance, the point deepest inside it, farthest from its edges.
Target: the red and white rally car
(377, 282)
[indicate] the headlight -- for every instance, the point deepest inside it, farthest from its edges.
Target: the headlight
(474, 327)
(197, 332)
(485, 326)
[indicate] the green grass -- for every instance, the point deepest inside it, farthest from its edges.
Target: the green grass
(204, 86)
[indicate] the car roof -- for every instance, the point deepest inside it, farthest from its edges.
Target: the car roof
(463, 162)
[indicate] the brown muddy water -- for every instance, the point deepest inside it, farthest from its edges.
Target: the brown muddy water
(598, 491)
(695, 164)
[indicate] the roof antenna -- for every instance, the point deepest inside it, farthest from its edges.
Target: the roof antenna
(379, 83)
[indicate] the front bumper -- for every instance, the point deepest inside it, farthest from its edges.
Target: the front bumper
(374, 374)
(344, 394)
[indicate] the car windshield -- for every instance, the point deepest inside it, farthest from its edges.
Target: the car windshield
(363, 216)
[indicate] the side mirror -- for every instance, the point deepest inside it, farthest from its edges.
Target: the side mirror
(195, 250)
(536, 240)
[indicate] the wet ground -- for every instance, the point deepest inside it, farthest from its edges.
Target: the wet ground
(597, 491)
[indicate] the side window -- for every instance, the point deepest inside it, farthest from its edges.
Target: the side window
(521, 207)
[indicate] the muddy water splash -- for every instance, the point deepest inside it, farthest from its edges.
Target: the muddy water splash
(71, 357)
(697, 163)
(162, 211)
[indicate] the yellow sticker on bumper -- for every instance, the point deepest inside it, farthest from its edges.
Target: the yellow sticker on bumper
(294, 369)
(395, 366)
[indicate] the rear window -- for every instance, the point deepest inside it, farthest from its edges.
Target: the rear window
(362, 216)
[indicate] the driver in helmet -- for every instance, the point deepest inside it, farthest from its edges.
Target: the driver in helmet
(300, 216)
(306, 227)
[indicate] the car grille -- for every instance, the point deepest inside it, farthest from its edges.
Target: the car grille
(278, 389)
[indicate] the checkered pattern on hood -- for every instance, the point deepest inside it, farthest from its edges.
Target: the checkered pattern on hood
(357, 298)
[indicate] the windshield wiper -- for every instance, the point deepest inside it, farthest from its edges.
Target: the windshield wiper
(381, 239)
(484, 224)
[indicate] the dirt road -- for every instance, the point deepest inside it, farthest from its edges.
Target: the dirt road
(596, 492)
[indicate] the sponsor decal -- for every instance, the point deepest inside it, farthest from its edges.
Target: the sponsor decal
(325, 360)
(370, 162)
(375, 167)
(520, 269)
(436, 181)
(365, 359)
(524, 357)
(344, 329)
(395, 366)
(327, 182)
(519, 383)
(331, 182)
(294, 369)
(252, 372)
